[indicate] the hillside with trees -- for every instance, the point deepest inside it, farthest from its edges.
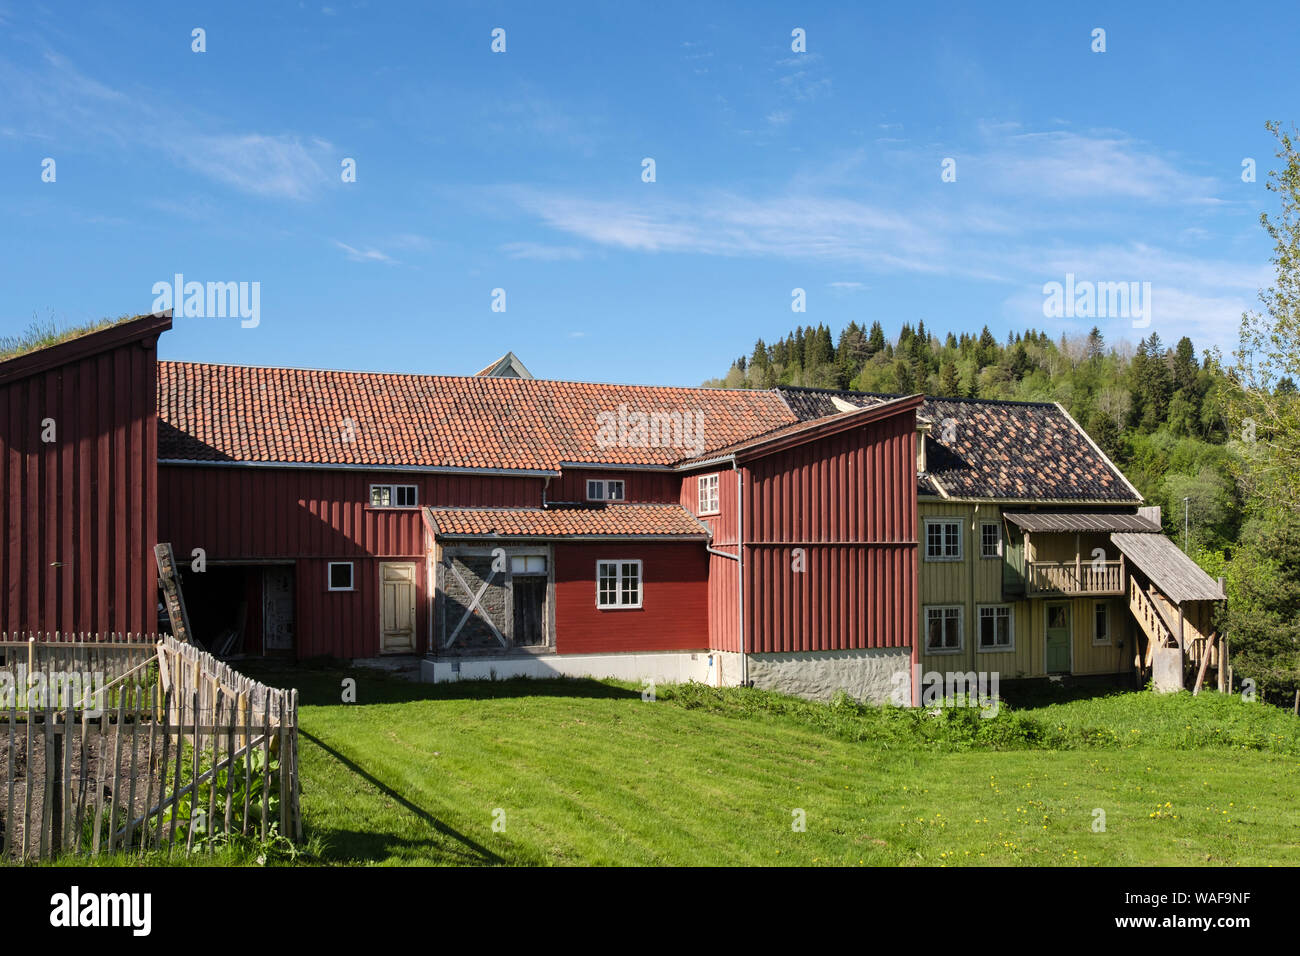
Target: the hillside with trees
(1152, 408)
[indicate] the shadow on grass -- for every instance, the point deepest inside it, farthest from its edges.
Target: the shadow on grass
(352, 845)
(1029, 694)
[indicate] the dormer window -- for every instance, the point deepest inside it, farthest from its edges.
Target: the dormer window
(604, 489)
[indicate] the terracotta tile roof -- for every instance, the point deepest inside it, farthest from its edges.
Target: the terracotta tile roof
(568, 521)
(977, 448)
(237, 413)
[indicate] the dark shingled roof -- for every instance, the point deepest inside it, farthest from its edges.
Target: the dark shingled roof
(977, 448)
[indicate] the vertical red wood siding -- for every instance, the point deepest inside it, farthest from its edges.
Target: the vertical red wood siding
(312, 517)
(849, 502)
(724, 573)
(674, 615)
(642, 486)
(79, 511)
(246, 513)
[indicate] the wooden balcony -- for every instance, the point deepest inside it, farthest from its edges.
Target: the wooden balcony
(1045, 578)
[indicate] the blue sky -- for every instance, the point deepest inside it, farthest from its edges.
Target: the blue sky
(522, 171)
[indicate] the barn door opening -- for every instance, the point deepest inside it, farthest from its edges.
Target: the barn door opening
(528, 586)
(530, 611)
(277, 610)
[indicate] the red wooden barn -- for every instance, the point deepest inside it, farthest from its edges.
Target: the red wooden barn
(501, 526)
(78, 482)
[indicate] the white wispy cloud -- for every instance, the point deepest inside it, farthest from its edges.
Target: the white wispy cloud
(53, 96)
(793, 226)
(1073, 166)
(542, 252)
(281, 166)
(364, 255)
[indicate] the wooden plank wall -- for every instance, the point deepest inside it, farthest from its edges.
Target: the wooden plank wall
(78, 510)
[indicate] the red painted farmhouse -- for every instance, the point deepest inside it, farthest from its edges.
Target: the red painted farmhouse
(503, 526)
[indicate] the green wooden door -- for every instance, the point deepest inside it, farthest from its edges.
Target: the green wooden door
(1058, 639)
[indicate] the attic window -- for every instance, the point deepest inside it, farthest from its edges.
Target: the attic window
(393, 496)
(604, 490)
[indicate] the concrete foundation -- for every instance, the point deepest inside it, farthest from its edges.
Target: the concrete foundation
(876, 676)
(871, 675)
(713, 668)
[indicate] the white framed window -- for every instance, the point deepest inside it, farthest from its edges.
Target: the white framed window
(618, 584)
(340, 576)
(942, 539)
(990, 539)
(997, 627)
(393, 496)
(527, 564)
(1101, 622)
(943, 629)
(604, 489)
(708, 495)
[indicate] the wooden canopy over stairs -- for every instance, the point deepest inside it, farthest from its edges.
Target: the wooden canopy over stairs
(1175, 611)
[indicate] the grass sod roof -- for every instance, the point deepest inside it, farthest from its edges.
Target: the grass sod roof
(46, 334)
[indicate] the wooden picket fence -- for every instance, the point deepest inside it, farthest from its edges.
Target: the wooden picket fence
(174, 748)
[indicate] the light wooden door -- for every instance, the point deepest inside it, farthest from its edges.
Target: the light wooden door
(397, 608)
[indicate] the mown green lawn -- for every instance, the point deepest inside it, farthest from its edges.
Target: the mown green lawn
(584, 772)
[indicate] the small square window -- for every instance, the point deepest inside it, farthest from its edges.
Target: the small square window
(618, 584)
(340, 576)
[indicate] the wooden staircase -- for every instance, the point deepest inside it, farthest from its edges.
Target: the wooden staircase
(1164, 658)
(1148, 615)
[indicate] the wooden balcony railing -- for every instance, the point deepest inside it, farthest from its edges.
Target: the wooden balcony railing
(1074, 577)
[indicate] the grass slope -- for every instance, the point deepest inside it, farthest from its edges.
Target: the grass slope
(587, 773)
